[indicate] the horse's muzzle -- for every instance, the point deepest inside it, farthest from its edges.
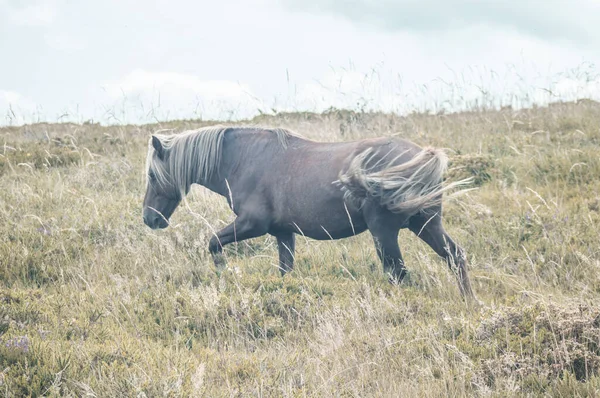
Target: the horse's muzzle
(155, 221)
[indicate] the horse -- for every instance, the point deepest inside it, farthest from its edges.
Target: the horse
(277, 182)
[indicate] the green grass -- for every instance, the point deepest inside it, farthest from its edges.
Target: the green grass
(94, 303)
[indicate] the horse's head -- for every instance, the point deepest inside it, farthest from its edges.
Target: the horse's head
(162, 194)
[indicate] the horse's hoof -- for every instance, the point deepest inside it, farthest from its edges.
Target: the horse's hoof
(474, 302)
(219, 260)
(397, 280)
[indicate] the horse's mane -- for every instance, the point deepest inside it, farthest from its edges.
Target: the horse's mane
(195, 155)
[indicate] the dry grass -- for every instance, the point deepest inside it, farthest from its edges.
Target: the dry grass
(93, 303)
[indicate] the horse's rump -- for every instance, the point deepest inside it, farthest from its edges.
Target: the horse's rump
(408, 187)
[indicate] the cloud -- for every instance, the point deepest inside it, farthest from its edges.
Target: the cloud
(179, 95)
(11, 98)
(426, 50)
(15, 108)
(342, 88)
(38, 13)
(583, 82)
(140, 81)
(541, 19)
(64, 42)
(457, 90)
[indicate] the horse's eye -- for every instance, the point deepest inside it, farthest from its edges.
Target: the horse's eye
(152, 176)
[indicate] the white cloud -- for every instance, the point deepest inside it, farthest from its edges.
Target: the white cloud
(140, 82)
(151, 95)
(463, 89)
(345, 89)
(39, 13)
(11, 98)
(570, 88)
(549, 21)
(64, 42)
(15, 108)
(434, 54)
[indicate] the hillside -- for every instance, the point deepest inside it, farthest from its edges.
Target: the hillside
(94, 303)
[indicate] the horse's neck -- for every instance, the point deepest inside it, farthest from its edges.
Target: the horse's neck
(238, 149)
(232, 147)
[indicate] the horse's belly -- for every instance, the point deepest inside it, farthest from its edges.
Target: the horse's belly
(325, 223)
(329, 234)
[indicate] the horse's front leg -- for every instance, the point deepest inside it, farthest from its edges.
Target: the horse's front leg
(242, 228)
(286, 243)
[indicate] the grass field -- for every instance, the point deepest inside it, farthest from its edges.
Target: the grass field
(94, 303)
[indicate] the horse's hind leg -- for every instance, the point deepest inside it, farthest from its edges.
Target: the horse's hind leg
(286, 243)
(431, 231)
(390, 255)
(384, 227)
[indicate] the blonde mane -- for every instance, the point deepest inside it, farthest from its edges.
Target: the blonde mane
(195, 155)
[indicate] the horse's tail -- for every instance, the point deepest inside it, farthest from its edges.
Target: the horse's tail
(407, 188)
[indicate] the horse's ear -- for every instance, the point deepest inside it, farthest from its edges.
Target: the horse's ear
(158, 147)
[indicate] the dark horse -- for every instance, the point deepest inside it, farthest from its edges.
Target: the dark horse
(281, 184)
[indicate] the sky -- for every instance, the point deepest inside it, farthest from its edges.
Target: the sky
(132, 61)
